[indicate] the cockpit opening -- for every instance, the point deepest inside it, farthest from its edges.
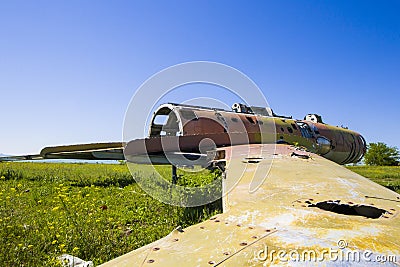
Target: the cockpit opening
(305, 130)
(164, 123)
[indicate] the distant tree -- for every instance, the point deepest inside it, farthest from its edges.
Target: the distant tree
(380, 154)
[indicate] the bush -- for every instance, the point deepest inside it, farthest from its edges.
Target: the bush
(379, 154)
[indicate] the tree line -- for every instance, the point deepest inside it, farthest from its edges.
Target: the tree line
(380, 154)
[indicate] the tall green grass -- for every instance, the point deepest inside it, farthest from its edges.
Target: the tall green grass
(93, 211)
(388, 176)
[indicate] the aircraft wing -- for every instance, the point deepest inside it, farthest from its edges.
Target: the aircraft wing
(94, 151)
(307, 208)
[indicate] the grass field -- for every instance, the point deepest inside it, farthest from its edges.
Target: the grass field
(388, 176)
(95, 211)
(92, 211)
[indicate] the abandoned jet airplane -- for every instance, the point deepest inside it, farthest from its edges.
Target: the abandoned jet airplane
(307, 209)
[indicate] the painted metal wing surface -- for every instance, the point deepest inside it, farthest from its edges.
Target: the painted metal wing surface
(94, 151)
(308, 211)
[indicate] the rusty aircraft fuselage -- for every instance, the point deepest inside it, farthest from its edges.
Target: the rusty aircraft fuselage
(176, 127)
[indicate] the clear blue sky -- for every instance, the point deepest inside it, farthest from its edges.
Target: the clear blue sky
(69, 68)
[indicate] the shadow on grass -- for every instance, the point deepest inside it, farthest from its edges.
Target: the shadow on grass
(120, 181)
(395, 188)
(10, 174)
(194, 215)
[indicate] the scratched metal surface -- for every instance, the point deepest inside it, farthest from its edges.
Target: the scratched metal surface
(278, 216)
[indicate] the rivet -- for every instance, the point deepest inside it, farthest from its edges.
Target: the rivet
(267, 230)
(213, 218)
(150, 261)
(211, 262)
(226, 253)
(201, 227)
(298, 201)
(254, 237)
(217, 221)
(238, 225)
(251, 227)
(311, 199)
(317, 193)
(350, 202)
(243, 244)
(156, 249)
(304, 206)
(175, 240)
